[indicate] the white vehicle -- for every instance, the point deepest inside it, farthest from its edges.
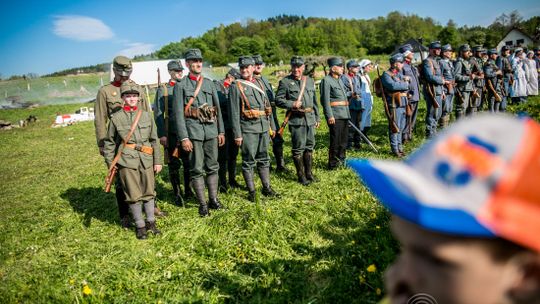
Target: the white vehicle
(83, 114)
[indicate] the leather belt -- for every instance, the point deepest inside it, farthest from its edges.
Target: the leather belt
(144, 149)
(339, 103)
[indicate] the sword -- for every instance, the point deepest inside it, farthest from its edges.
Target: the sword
(364, 137)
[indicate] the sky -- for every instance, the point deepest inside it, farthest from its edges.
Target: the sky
(48, 36)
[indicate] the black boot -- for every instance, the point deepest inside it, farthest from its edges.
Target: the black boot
(223, 187)
(140, 233)
(212, 182)
(308, 165)
(280, 160)
(151, 226)
(198, 186)
(299, 164)
(175, 181)
(188, 193)
(250, 184)
(264, 174)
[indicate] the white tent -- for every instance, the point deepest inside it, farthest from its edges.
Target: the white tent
(145, 72)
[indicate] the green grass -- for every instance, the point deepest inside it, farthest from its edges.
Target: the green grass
(60, 231)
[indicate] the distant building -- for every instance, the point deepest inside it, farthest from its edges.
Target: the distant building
(516, 38)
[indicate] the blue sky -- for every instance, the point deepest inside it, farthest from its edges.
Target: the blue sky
(47, 36)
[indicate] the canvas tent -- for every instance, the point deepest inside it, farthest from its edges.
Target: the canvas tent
(145, 72)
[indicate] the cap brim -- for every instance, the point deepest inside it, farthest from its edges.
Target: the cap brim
(407, 194)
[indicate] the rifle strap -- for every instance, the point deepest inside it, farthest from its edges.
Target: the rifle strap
(126, 139)
(166, 101)
(197, 90)
(350, 83)
(243, 95)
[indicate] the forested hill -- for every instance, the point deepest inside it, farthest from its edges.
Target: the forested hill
(278, 38)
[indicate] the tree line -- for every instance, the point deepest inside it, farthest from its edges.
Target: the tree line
(280, 37)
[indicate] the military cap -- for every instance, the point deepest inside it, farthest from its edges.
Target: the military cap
(505, 48)
(446, 48)
(406, 49)
(478, 48)
(122, 65)
(244, 61)
(464, 48)
(397, 57)
(297, 61)
(175, 65)
(352, 64)
(435, 45)
(258, 59)
(129, 87)
(193, 54)
(518, 49)
(492, 51)
(333, 61)
(234, 73)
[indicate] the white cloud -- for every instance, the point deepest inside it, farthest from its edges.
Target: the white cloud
(81, 28)
(137, 48)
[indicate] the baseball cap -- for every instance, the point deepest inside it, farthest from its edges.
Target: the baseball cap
(478, 178)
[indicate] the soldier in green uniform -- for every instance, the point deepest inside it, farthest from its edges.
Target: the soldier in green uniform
(252, 122)
(464, 77)
(478, 84)
(277, 141)
(494, 82)
(303, 114)
(229, 151)
(166, 130)
(108, 101)
(199, 126)
(336, 111)
(139, 158)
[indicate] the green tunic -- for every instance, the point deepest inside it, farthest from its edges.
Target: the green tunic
(332, 90)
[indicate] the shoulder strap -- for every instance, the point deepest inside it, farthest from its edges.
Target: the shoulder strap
(243, 95)
(252, 85)
(350, 83)
(124, 142)
(165, 100)
(302, 88)
(197, 90)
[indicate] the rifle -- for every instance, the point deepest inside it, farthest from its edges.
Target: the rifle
(112, 168)
(165, 114)
(289, 112)
(392, 123)
(498, 97)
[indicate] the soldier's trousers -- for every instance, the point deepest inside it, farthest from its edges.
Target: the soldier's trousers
(356, 119)
(410, 123)
(277, 141)
(433, 114)
(302, 138)
(494, 106)
(462, 102)
(338, 142)
(255, 150)
(400, 117)
(447, 105)
(474, 102)
(174, 162)
(204, 158)
(123, 206)
(367, 109)
(227, 156)
(138, 184)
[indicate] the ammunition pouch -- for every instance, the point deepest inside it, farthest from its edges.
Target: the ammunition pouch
(301, 112)
(205, 113)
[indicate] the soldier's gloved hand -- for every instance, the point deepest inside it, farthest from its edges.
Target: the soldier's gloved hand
(163, 141)
(187, 145)
(221, 140)
(331, 120)
(157, 168)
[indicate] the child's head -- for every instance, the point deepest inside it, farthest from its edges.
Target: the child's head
(130, 93)
(467, 213)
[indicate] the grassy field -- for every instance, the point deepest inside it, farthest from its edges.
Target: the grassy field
(61, 240)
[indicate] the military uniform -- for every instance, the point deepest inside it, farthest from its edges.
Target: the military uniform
(199, 120)
(414, 93)
(137, 159)
(108, 102)
(494, 84)
(395, 91)
(504, 65)
(464, 87)
(252, 121)
(277, 141)
(477, 64)
(447, 68)
(166, 127)
(433, 91)
(302, 120)
(353, 89)
(229, 151)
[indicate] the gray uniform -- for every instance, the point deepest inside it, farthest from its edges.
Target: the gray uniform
(395, 89)
(464, 87)
(353, 88)
(433, 91)
(495, 86)
(447, 68)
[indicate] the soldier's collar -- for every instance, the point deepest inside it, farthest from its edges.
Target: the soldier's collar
(116, 83)
(351, 74)
(226, 84)
(172, 82)
(128, 108)
(194, 77)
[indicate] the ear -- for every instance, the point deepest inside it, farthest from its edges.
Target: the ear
(526, 287)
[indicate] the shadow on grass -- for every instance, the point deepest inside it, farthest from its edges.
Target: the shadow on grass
(328, 274)
(93, 203)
